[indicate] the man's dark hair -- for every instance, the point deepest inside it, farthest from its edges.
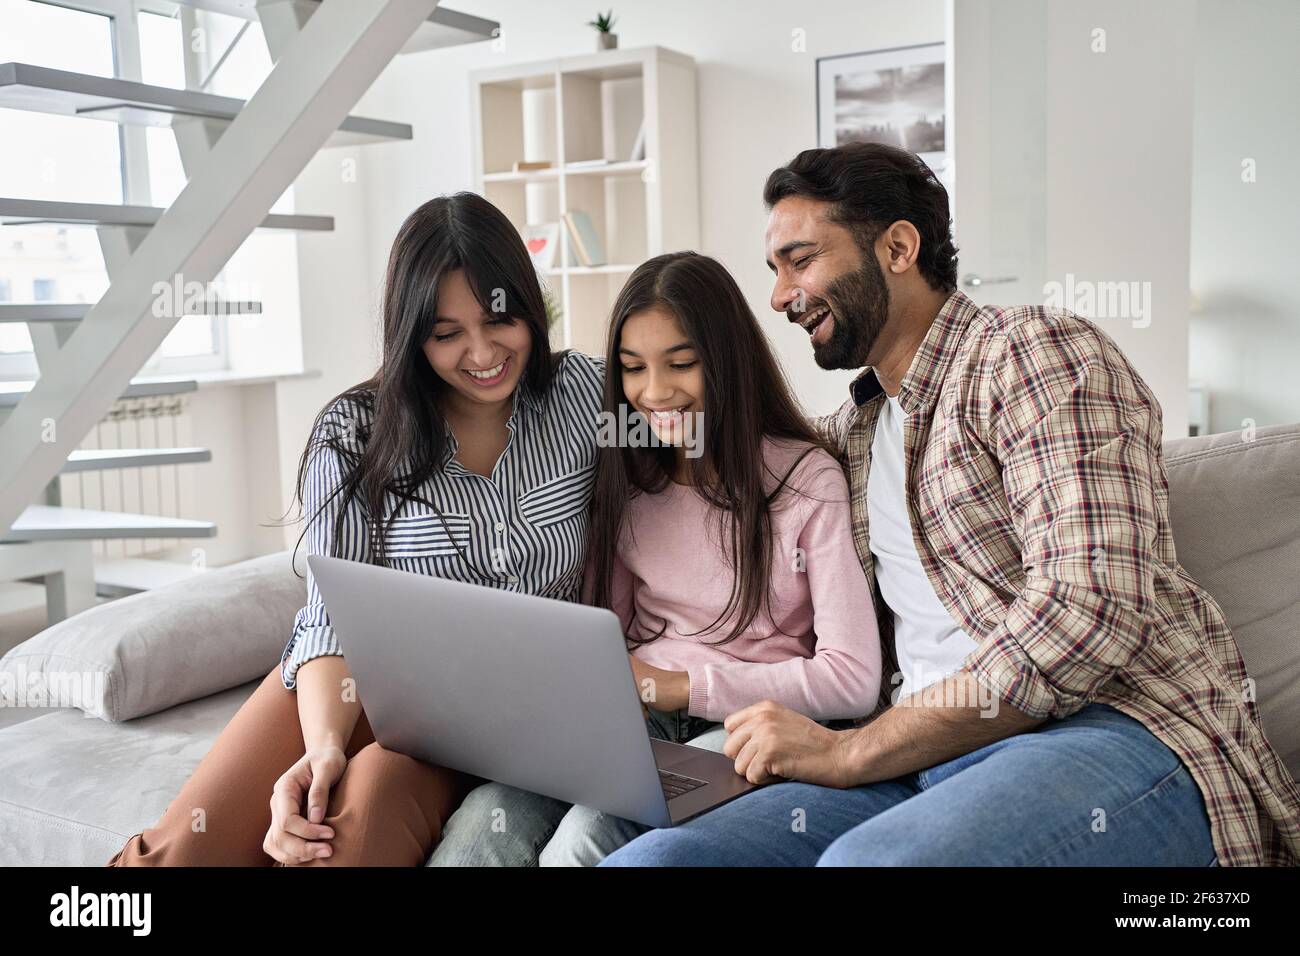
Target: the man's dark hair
(870, 186)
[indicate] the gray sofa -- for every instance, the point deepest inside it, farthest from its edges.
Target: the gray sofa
(162, 672)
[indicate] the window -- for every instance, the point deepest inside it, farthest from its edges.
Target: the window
(73, 159)
(62, 157)
(196, 341)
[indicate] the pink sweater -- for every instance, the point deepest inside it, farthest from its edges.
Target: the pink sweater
(671, 568)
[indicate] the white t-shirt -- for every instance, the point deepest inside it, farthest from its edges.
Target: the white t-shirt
(929, 643)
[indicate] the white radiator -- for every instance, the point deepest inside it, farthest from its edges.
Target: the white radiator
(167, 490)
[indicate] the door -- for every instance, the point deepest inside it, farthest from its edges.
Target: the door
(997, 96)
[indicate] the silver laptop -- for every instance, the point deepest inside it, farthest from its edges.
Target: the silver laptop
(527, 691)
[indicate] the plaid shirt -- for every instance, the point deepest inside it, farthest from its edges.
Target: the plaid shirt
(1039, 507)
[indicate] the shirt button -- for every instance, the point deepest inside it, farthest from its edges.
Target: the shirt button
(500, 526)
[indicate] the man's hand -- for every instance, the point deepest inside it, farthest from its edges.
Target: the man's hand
(661, 689)
(770, 742)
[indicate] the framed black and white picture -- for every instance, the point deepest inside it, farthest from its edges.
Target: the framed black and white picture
(893, 96)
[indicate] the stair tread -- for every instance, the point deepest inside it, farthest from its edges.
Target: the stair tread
(96, 459)
(443, 28)
(16, 211)
(130, 575)
(43, 311)
(51, 523)
(61, 92)
(11, 393)
(76, 311)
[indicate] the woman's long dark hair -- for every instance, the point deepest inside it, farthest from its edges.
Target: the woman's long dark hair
(746, 398)
(405, 443)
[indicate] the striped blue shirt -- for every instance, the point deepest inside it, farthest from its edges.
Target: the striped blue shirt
(523, 529)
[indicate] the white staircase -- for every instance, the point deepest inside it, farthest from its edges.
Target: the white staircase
(239, 157)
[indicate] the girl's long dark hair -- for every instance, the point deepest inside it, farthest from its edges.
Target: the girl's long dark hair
(746, 399)
(404, 442)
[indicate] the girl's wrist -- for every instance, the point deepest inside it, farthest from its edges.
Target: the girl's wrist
(681, 690)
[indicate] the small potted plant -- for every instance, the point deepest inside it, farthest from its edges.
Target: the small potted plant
(606, 38)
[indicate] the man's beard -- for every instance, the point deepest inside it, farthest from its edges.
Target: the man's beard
(859, 302)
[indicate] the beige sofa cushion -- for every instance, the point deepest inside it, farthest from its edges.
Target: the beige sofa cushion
(142, 654)
(1235, 508)
(74, 790)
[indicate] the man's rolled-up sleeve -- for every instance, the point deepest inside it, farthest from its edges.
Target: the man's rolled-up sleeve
(1077, 434)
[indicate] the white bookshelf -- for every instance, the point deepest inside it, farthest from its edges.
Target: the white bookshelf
(570, 110)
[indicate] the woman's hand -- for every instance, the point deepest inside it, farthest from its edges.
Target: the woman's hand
(292, 837)
(661, 689)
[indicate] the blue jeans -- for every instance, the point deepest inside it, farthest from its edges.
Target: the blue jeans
(1094, 789)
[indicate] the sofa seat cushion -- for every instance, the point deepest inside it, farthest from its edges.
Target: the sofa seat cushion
(74, 789)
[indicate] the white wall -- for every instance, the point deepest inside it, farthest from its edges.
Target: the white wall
(1245, 335)
(1109, 215)
(756, 110)
(340, 292)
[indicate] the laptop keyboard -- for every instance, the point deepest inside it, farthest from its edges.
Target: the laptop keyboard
(675, 784)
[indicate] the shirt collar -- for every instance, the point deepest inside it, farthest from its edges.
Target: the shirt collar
(527, 394)
(920, 386)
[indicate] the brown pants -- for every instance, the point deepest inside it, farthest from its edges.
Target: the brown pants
(387, 809)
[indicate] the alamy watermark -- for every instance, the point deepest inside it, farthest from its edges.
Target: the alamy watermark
(83, 690)
(175, 298)
(1101, 300)
(130, 910)
(943, 692)
(631, 429)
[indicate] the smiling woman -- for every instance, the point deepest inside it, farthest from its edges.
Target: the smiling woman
(468, 455)
(480, 354)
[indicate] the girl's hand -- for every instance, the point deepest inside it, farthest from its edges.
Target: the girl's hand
(292, 837)
(661, 689)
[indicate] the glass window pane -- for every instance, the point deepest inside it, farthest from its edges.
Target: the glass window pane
(47, 263)
(162, 63)
(162, 60)
(14, 338)
(166, 174)
(249, 61)
(191, 336)
(47, 35)
(62, 157)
